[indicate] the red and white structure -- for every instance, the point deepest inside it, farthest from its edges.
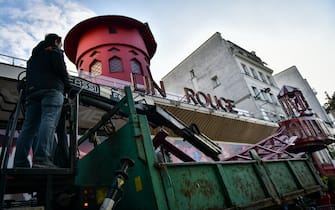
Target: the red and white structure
(113, 50)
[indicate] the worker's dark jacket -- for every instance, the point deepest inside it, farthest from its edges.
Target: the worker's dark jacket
(46, 69)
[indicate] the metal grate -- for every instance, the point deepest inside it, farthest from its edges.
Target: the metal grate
(96, 68)
(115, 65)
(135, 66)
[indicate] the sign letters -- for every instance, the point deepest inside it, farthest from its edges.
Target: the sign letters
(206, 100)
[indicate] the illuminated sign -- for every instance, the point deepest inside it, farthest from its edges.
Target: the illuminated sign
(206, 100)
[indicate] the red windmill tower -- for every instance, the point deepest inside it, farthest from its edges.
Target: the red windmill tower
(114, 51)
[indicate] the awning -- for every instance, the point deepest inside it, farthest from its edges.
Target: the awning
(221, 126)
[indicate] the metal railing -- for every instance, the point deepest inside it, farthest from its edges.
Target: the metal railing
(12, 60)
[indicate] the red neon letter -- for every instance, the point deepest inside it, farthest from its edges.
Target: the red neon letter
(203, 96)
(189, 94)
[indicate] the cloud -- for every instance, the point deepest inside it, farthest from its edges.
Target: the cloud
(24, 23)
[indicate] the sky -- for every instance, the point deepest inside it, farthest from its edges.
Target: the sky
(282, 33)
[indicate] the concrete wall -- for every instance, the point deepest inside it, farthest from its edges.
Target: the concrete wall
(209, 60)
(10, 71)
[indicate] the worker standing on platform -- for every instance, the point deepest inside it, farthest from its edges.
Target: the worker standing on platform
(46, 80)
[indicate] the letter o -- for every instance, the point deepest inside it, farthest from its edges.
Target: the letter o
(203, 96)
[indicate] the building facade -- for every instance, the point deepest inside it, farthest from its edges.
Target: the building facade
(292, 77)
(222, 68)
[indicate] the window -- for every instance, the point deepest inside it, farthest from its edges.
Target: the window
(259, 94)
(273, 98)
(265, 96)
(133, 52)
(192, 74)
(94, 54)
(270, 80)
(96, 68)
(262, 76)
(115, 65)
(215, 81)
(81, 63)
(245, 69)
(254, 89)
(135, 66)
(254, 74)
(114, 50)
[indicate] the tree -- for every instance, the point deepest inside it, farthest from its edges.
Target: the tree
(330, 104)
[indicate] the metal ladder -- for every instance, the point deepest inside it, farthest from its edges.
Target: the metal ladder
(7, 145)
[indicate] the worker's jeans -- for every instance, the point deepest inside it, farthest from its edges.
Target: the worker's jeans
(42, 112)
